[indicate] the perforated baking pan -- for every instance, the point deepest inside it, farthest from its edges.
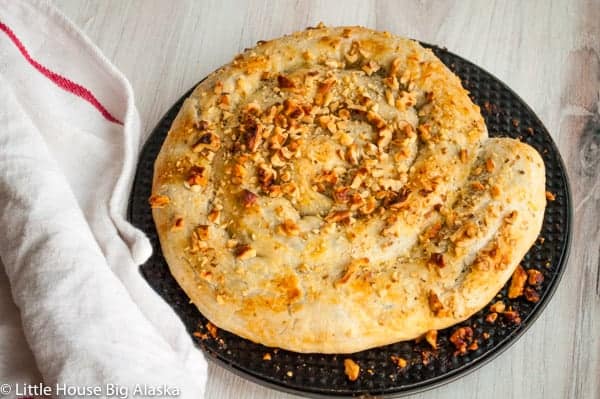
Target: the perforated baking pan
(318, 375)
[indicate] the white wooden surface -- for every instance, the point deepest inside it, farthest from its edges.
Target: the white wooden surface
(547, 51)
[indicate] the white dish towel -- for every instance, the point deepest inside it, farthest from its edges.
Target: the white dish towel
(69, 138)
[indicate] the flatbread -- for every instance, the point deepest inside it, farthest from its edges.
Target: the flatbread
(336, 190)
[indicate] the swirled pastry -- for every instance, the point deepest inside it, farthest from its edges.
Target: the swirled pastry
(335, 190)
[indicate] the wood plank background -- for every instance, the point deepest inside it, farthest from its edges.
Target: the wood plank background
(547, 51)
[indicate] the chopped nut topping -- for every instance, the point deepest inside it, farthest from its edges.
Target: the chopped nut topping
(437, 259)
(345, 139)
(531, 294)
(371, 67)
(512, 316)
(399, 361)
(202, 232)
(212, 329)
(406, 100)
(284, 82)
(385, 137)
(248, 198)
(244, 252)
(352, 154)
(338, 216)
(435, 304)
(208, 141)
(322, 90)
(266, 175)
(463, 155)
(517, 283)
(341, 195)
(375, 119)
(431, 338)
(369, 206)
(462, 338)
(534, 277)
(197, 176)
(351, 369)
(424, 132)
(498, 307)
(158, 201)
(267, 356)
(289, 227)
(489, 165)
(550, 196)
(214, 216)
(491, 318)
(252, 134)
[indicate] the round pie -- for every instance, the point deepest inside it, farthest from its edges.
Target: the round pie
(336, 190)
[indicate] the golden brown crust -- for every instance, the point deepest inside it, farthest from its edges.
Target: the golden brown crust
(335, 190)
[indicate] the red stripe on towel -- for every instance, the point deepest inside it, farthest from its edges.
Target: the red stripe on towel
(59, 80)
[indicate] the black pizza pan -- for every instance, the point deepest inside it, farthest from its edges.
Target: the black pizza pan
(319, 375)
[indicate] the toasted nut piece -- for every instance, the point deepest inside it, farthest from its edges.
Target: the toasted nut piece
(266, 174)
(400, 361)
(462, 338)
(212, 329)
(338, 216)
(244, 252)
(248, 198)
(375, 119)
(267, 356)
(424, 132)
(202, 232)
(214, 216)
(531, 294)
(385, 137)
(253, 136)
(437, 259)
(158, 201)
(491, 318)
(517, 283)
(197, 176)
(463, 156)
(345, 139)
(277, 161)
(284, 82)
(435, 304)
(550, 196)
(395, 66)
(322, 90)
(534, 277)
(498, 307)
(512, 316)
(489, 165)
(371, 67)
(352, 154)
(351, 369)
(208, 141)
(431, 338)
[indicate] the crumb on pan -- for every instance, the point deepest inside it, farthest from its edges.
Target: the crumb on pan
(399, 361)
(351, 369)
(517, 283)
